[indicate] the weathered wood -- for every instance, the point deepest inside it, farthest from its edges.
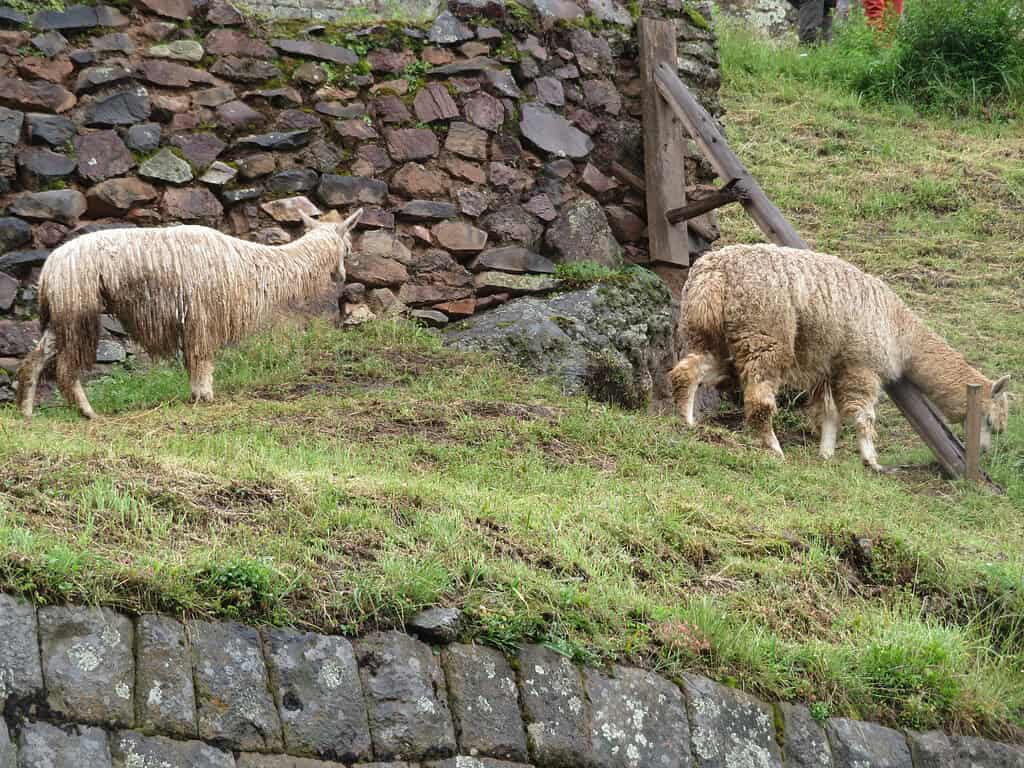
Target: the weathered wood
(623, 174)
(973, 432)
(664, 148)
(730, 193)
(702, 128)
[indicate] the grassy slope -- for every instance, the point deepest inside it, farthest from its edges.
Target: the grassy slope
(344, 480)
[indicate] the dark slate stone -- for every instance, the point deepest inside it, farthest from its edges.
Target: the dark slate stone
(12, 18)
(63, 205)
(436, 625)
(296, 120)
(514, 224)
(432, 318)
(97, 77)
(315, 680)
(42, 745)
(582, 233)
(639, 719)
(110, 351)
(115, 42)
(31, 258)
(17, 338)
(245, 70)
(503, 82)
(436, 319)
(292, 181)
(35, 95)
(411, 143)
(223, 14)
(171, 9)
(199, 149)
(275, 141)
(406, 698)
(973, 752)
(165, 697)
(427, 210)
(337, 190)
(11, 121)
(239, 116)
(82, 57)
(729, 727)
(235, 707)
(804, 744)
(552, 133)
(133, 750)
(172, 75)
(102, 155)
(485, 703)
(447, 29)
(555, 708)
(39, 167)
(855, 744)
(49, 129)
(513, 258)
(123, 108)
(50, 43)
(192, 204)
(144, 137)
(13, 233)
(475, 64)
(232, 196)
(88, 664)
(317, 50)
(21, 675)
(75, 18)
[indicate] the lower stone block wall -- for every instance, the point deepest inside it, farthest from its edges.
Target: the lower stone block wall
(92, 688)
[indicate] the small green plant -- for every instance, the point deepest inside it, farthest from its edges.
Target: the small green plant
(414, 73)
(820, 711)
(578, 274)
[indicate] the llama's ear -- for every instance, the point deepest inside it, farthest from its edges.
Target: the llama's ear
(346, 226)
(308, 221)
(1000, 386)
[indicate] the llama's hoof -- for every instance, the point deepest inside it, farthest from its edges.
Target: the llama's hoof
(880, 470)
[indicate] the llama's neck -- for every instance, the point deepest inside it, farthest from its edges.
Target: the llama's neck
(299, 270)
(940, 371)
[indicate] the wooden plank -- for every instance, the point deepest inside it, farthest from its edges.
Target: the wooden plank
(623, 174)
(915, 407)
(702, 128)
(664, 148)
(973, 432)
(727, 194)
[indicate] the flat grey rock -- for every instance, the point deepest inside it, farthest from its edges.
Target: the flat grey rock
(436, 625)
(133, 750)
(232, 689)
(166, 166)
(805, 744)
(466, 761)
(973, 752)
(729, 727)
(406, 698)
(42, 745)
(638, 719)
(21, 675)
(88, 664)
(855, 744)
(932, 749)
(165, 697)
(555, 708)
(485, 702)
(315, 681)
(582, 233)
(549, 131)
(8, 754)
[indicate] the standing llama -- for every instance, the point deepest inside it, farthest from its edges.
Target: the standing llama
(186, 288)
(813, 322)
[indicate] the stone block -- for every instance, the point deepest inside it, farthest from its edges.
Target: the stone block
(931, 750)
(972, 752)
(232, 688)
(255, 760)
(21, 676)
(464, 761)
(88, 664)
(729, 727)
(406, 698)
(555, 708)
(133, 750)
(42, 745)
(165, 697)
(638, 719)
(8, 754)
(804, 743)
(315, 681)
(485, 702)
(855, 744)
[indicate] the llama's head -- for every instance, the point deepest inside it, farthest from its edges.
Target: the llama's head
(342, 235)
(998, 413)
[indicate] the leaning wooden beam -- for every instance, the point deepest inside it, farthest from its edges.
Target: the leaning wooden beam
(914, 406)
(702, 129)
(623, 174)
(730, 193)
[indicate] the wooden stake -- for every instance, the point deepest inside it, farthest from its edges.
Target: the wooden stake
(727, 194)
(973, 432)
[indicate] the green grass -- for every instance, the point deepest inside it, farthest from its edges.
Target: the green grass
(345, 479)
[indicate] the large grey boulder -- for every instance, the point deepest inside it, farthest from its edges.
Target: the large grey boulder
(613, 340)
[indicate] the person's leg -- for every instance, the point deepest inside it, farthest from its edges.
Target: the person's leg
(810, 18)
(826, 21)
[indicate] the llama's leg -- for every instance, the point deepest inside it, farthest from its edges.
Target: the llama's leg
(857, 392)
(759, 406)
(31, 368)
(692, 371)
(71, 387)
(828, 420)
(201, 380)
(762, 360)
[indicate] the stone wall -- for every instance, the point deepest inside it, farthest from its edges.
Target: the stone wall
(480, 144)
(91, 688)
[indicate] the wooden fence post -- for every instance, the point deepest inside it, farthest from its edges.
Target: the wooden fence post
(973, 432)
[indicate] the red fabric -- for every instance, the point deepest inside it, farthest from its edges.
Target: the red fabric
(877, 10)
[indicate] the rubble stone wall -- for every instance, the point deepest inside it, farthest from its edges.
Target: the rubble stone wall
(479, 144)
(92, 688)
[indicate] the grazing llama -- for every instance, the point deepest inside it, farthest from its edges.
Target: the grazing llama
(186, 288)
(813, 322)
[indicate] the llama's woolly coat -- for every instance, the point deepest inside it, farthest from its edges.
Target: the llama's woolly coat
(184, 288)
(831, 316)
